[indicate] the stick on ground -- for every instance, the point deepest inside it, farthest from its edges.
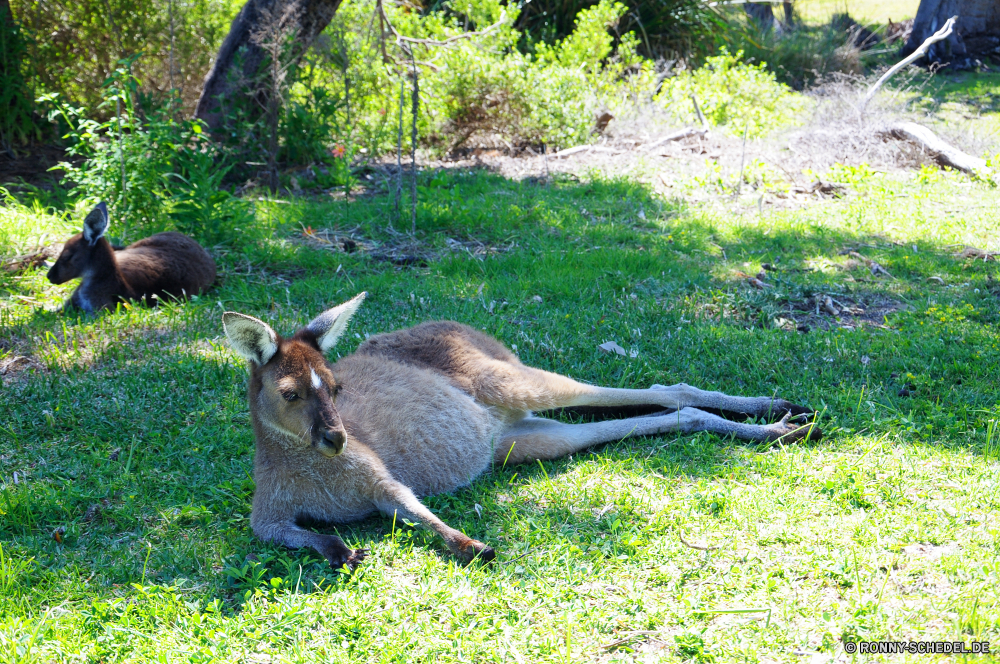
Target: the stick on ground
(944, 153)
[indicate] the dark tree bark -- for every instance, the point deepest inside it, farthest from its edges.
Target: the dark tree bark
(789, 14)
(977, 31)
(760, 12)
(238, 72)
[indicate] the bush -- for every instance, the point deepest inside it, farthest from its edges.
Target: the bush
(18, 122)
(78, 43)
(799, 55)
(666, 28)
(155, 172)
(474, 90)
(733, 94)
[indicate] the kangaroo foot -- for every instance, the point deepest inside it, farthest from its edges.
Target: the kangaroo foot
(474, 550)
(742, 408)
(340, 555)
(793, 428)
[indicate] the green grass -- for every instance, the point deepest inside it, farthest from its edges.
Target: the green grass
(820, 11)
(133, 435)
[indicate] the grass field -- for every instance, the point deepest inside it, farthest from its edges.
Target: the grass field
(126, 447)
(820, 11)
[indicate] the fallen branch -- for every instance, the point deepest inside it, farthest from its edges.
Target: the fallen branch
(568, 151)
(975, 254)
(943, 153)
(698, 546)
(675, 136)
(943, 33)
(26, 261)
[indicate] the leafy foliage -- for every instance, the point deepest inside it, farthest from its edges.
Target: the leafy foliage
(18, 122)
(733, 94)
(801, 54)
(78, 43)
(667, 28)
(155, 172)
(482, 88)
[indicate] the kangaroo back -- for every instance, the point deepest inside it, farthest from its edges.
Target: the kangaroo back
(165, 264)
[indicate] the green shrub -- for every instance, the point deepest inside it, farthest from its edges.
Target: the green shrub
(18, 122)
(482, 87)
(78, 43)
(666, 28)
(799, 55)
(155, 172)
(733, 95)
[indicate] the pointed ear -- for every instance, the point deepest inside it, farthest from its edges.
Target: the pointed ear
(330, 324)
(253, 339)
(95, 224)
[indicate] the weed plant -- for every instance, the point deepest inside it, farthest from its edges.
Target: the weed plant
(155, 172)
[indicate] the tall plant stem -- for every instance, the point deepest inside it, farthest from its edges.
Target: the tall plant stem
(399, 150)
(413, 145)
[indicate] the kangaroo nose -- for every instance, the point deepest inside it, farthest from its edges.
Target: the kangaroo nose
(333, 443)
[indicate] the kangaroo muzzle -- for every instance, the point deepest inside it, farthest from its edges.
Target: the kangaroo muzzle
(332, 443)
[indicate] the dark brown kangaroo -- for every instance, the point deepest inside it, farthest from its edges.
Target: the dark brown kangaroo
(160, 266)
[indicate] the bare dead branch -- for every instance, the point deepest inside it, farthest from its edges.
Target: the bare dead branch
(675, 136)
(943, 33)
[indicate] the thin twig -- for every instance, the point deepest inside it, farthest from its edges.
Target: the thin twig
(943, 33)
(121, 149)
(699, 547)
(743, 154)
(399, 150)
(413, 145)
(675, 136)
(701, 117)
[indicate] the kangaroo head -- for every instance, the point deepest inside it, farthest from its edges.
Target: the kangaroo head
(77, 254)
(292, 391)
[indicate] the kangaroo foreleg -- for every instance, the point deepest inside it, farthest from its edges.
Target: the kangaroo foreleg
(330, 547)
(395, 499)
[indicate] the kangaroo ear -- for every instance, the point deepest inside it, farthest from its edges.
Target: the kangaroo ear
(95, 224)
(253, 339)
(330, 324)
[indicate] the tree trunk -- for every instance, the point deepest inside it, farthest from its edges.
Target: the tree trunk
(977, 31)
(789, 13)
(761, 13)
(237, 72)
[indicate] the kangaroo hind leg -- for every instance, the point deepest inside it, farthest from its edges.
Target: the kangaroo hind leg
(538, 438)
(516, 386)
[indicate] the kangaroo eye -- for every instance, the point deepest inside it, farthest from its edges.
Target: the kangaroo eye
(290, 396)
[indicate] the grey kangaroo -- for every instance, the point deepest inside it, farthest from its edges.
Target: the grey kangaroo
(426, 410)
(159, 266)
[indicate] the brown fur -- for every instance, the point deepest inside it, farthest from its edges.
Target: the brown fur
(165, 265)
(423, 411)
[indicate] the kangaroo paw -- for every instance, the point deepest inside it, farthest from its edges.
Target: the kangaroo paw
(339, 555)
(790, 429)
(474, 550)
